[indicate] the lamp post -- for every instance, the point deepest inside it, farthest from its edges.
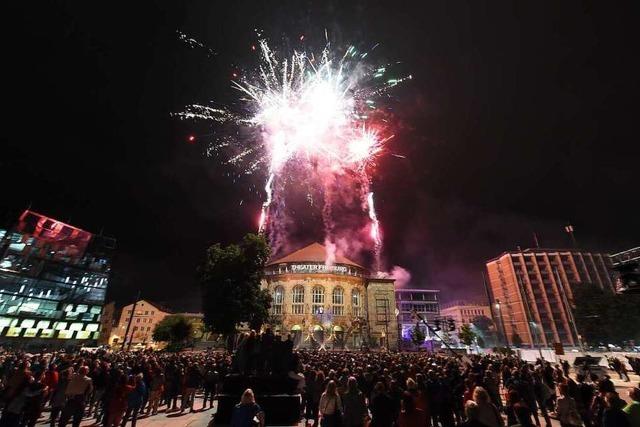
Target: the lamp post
(504, 330)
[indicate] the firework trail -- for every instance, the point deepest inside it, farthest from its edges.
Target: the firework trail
(313, 117)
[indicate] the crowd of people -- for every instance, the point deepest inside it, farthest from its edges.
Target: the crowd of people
(113, 387)
(338, 389)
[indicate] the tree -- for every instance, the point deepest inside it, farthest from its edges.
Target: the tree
(230, 278)
(516, 341)
(483, 324)
(417, 335)
(486, 328)
(175, 330)
(466, 334)
(604, 317)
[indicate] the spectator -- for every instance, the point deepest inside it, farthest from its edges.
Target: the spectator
(613, 415)
(247, 412)
(517, 411)
(566, 408)
(77, 393)
(330, 409)
(472, 414)
(381, 407)
(487, 413)
(137, 395)
(410, 416)
(633, 408)
(354, 405)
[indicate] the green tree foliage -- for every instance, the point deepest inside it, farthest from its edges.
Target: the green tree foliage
(486, 330)
(604, 317)
(174, 329)
(230, 278)
(516, 340)
(417, 335)
(466, 334)
(483, 324)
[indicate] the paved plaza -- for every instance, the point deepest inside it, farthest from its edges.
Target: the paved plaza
(202, 418)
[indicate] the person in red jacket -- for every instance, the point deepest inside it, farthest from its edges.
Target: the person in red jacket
(118, 402)
(50, 379)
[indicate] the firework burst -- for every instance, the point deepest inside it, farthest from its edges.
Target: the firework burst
(312, 116)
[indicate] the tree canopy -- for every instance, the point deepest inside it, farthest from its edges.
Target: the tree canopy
(174, 329)
(603, 317)
(466, 334)
(230, 278)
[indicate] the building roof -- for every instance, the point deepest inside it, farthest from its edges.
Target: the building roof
(464, 303)
(315, 252)
(157, 306)
(529, 251)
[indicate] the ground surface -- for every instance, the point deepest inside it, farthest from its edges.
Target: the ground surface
(202, 418)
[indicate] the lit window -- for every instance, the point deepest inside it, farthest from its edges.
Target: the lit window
(338, 301)
(14, 331)
(317, 300)
(298, 300)
(60, 326)
(278, 299)
(92, 327)
(28, 323)
(356, 303)
(65, 334)
(47, 333)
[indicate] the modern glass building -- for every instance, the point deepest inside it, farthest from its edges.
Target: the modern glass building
(53, 282)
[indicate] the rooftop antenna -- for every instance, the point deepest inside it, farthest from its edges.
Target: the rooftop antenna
(569, 229)
(535, 240)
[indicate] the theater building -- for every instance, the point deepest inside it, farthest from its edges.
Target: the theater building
(337, 306)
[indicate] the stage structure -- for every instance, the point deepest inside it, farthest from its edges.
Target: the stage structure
(330, 306)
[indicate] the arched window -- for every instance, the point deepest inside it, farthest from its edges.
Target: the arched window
(338, 301)
(277, 300)
(356, 303)
(297, 306)
(317, 300)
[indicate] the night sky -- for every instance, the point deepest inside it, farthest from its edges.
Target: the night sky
(520, 118)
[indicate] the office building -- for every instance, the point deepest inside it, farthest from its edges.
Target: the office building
(53, 282)
(626, 265)
(531, 292)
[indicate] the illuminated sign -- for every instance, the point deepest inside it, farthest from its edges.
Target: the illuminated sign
(318, 268)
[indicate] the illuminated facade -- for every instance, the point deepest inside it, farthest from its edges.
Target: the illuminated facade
(53, 282)
(330, 306)
(425, 302)
(531, 292)
(464, 312)
(147, 315)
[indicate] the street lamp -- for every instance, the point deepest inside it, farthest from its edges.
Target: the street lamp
(504, 330)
